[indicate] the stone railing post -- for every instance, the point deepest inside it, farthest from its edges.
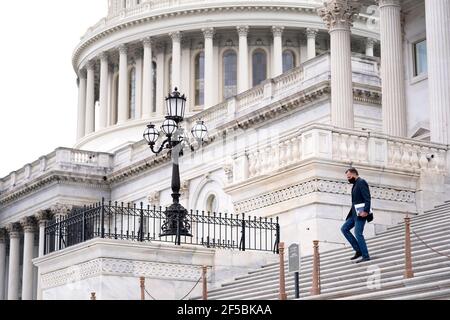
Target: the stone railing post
(315, 290)
(283, 295)
(142, 282)
(408, 261)
(205, 282)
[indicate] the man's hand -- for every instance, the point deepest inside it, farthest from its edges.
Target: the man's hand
(364, 214)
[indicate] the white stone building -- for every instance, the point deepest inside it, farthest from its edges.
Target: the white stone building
(292, 92)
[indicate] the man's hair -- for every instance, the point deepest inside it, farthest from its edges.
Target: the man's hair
(352, 170)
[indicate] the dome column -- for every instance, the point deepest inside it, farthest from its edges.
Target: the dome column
(243, 74)
(438, 50)
(29, 228)
(147, 85)
(209, 67)
(104, 69)
(370, 43)
(124, 94)
(160, 71)
(338, 16)
(81, 126)
(392, 76)
(90, 98)
(14, 261)
(176, 61)
(311, 35)
(278, 50)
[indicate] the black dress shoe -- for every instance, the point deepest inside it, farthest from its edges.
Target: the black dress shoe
(356, 256)
(363, 260)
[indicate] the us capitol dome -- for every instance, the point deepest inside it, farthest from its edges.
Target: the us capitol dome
(211, 50)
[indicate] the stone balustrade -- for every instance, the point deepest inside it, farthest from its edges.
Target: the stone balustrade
(341, 145)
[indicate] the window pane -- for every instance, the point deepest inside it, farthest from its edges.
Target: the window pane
(199, 79)
(420, 53)
(259, 67)
(229, 74)
(288, 60)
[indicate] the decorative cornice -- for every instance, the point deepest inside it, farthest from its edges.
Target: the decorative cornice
(118, 267)
(339, 13)
(277, 31)
(317, 185)
(243, 31)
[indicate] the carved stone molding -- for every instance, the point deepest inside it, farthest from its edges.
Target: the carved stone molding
(339, 13)
(118, 267)
(316, 185)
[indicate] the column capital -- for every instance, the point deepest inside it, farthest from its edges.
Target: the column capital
(82, 73)
(208, 33)
(61, 209)
(14, 230)
(176, 36)
(28, 224)
(43, 216)
(388, 3)
(123, 49)
(3, 235)
(277, 31)
(90, 65)
(154, 197)
(339, 13)
(147, 42)
(103, 57)
(311, 33)
(243, 30)
(370, 42)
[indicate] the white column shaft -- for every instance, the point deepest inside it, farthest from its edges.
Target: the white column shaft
(393, 84)
(160, 70)
(90, 101)
(243, 73)
(124, 88)
(438, 50)
(81, 127)
(341, 79)
(13, 275)
(147, 86)
(27, 278)
(369, 47)
(139, 80)
(176, 63)
(209, 69)
(2, 269)
(277, 52)
(104, 69)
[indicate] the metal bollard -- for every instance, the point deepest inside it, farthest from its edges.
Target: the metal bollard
(142, 281)
(315, 290)
(205, 282)
(93, 297)
(408, 257)
(283, 294)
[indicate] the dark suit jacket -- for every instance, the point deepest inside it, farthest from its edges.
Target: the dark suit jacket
(361, 194)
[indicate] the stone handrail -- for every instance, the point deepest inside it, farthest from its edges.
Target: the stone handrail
(326, 142)
(62, 159)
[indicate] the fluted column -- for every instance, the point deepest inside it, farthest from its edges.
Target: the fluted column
(209, 67)
(124, 88)
(311, 35)
(160, 71)
(104, 68)
(176, 61)
(438, 51)
(243, 74)
(370, 43)
(277, 50)
(81, 127)
(14, 261)
(338, 16)
(392, 76)
(138, 82)
(29, 228)
(2, 263)
(43, 218)
(147, 86)
(90, 98)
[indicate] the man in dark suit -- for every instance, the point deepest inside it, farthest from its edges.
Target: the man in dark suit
(360, 194)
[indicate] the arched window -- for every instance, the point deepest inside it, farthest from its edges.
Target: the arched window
(154, 86)
(259, 67)
(229, 74)
(132, 105)
(212, 204)
(288, 60)
(200, 79)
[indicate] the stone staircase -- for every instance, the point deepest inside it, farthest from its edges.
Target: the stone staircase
(342, 279)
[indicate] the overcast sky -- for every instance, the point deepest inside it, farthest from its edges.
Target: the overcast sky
(38, 92)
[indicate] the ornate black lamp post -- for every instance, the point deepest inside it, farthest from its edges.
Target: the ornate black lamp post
(176, 223)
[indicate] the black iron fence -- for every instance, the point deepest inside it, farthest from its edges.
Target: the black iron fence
(143, 224)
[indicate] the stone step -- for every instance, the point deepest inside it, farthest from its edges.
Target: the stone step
(432, 295)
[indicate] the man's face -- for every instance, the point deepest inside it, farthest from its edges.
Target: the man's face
(351, 177)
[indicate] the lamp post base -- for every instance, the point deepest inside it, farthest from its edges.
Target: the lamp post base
(176, 223)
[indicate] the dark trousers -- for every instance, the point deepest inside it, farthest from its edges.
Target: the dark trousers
(358, 243)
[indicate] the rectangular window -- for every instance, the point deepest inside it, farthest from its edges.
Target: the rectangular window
(420, 58)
